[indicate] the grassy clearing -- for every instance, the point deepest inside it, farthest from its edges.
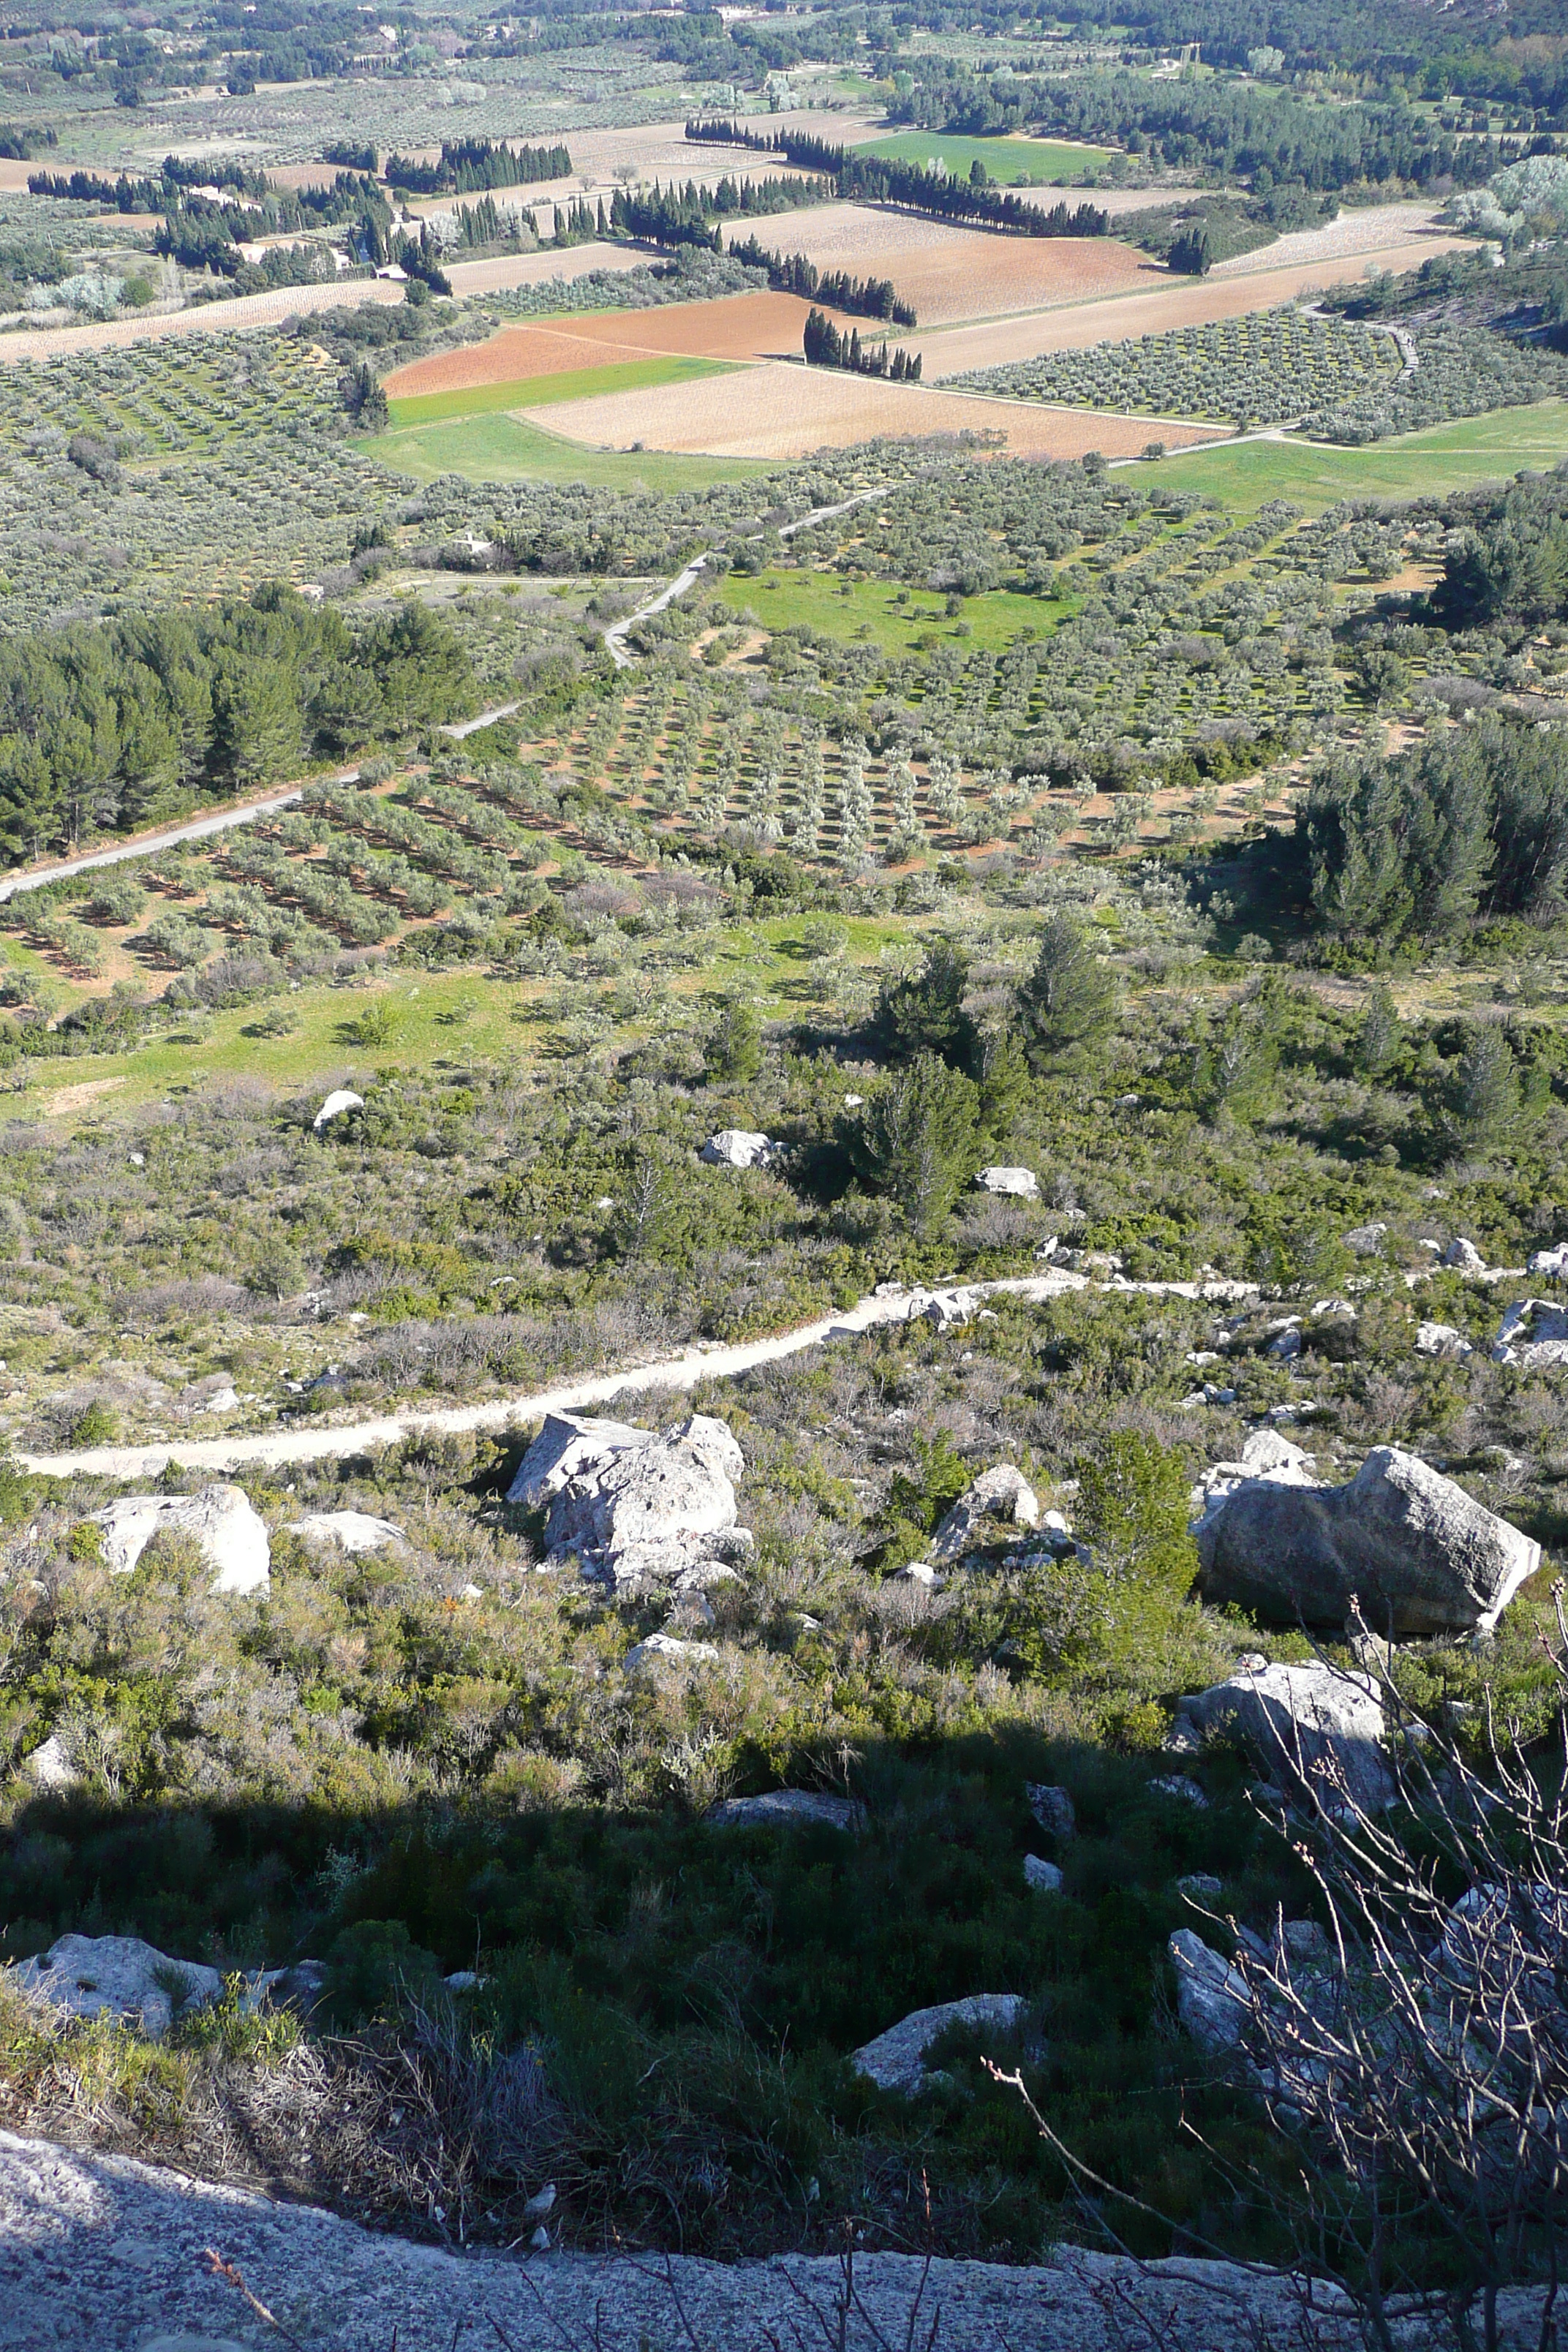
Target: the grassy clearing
(871, 610)
(534, 390)
(1419, 465)
(506, 450)
(1007, 160)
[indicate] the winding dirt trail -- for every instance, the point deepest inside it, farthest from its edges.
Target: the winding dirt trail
(889, 1302)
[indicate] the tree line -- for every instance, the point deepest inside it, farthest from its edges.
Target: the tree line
(468, 165)
(866, 298)
(118, 726)
(826, 346)
(676, 216)
(878, 179)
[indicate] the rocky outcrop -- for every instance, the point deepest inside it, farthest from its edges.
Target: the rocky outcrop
(340, 1099)
(1001, 1493)
(786, 1808)
(1420, 1555)
(350, 1532)
(634, 1507)
(1212, 1998)
(895, 2060)
(1018, 1184)
(233, 1539)
(1442, 1339)
(740, 1147)
(114, 1976)
(1552, 1262)
(1267, 1458)
(1534, 1331)
(1464, 1258)
(1315, 1729)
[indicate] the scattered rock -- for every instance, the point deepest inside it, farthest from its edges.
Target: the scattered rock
(50, 1766)
(1365, 1241)
(1001, 1493)
(1266, 1456)
(1464, 1258)
(781, 1808)
(1422, 1557)
(1022, 1184)
(1318, 1729)
(350, 1532)
(895, 2060)
(1052, 1808)
(1183, 1787)
(1044, 1876)
(1200, 1887)
(740, 1147)
(922, 1572)
(1532, 1331)
(1286, 1346)
(339, 1100)
(233, 1539)
(1442, 1339)
(667, 1649)
(117, 1975)
(636, 1508)
(1552, 1262)
(1212, 1998)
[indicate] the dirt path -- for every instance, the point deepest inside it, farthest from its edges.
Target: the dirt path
(200, 828)
(276, 1449)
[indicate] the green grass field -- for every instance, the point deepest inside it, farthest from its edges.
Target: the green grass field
(1449, 457)
(536, 391)
(1006, 160)
(784, 600)
(507, 449)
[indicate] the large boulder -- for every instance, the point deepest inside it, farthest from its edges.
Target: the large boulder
(1019, 1183)
(115, 1976)
(1418, 1554)
(1212, 1998)
(233, 1539)
(1442, 1339)
(784, 1809)
(895, 2060)
(1534, 1331)
(340, 1099)
(740, 1147)
(350, 1532)
(634, 1507)
(1001, 1493)
(1315, 1728)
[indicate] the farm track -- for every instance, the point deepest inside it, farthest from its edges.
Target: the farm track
(201, 828)
(279, 1449)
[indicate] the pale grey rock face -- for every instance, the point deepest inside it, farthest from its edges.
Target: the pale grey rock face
(1045, 1877)
(1265, 1455)
(51, 1766)
(1442, 1339)
(1182, 1788)
(1001, 1493)
(341, 1099)
(570, 1446)
(1464, 1258)
(1020, 1183)
(667, 1650)
(1212, 1998)
(350, 1532)
(740, 1147)
(117, 1975)
(1052, 1808)
(1532, 1331)
(1553, 1261)
(634, 1507)
(1311, 1727)
(1366, 1241)
(233, 1539)
(895, 2060)
(782, 1808)
(1422, 1558)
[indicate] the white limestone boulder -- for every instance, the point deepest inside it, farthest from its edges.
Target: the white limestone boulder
(115, 1976)
(1442, 1339)
(1001, 1493)
(1041, 1876)
(1464, 1258)
(636, 1507)
(1534, 1331)
(895, 2060)
(667, 1650)
(1552, 1262)
(232, 1537)
(1212, 1998)
(740, 1147)
(1017, 1183)
(347, 1531)
(1421, 1557)
(1316, 1729)
(340, 1099)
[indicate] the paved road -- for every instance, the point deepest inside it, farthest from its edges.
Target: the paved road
(275, 1449)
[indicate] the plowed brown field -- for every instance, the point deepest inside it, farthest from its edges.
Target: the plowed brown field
(951, 274)
(789, 412)
(735, 327)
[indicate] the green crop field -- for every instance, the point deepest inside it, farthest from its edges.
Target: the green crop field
(871, 610)
(1007, 160)
(1458, 456)
(507, 449)
(536, 391)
